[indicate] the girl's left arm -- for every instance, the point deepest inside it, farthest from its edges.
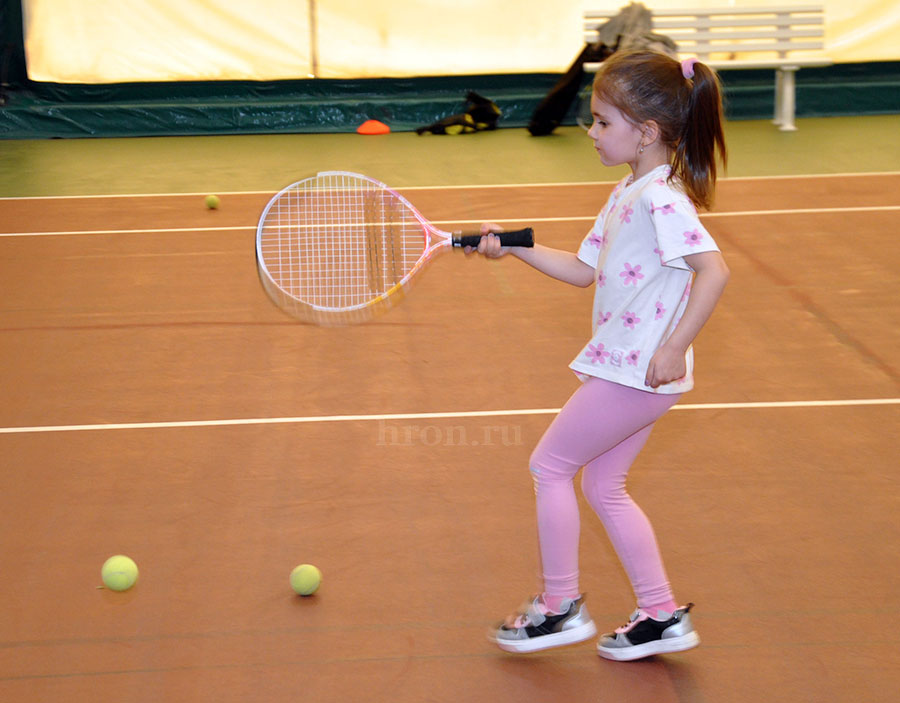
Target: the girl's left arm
(712, 274)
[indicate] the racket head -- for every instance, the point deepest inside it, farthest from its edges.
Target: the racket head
(339, 247)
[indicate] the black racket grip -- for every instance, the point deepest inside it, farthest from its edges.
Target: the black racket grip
(514, 238)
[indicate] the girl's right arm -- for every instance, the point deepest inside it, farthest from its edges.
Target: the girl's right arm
(556, 263)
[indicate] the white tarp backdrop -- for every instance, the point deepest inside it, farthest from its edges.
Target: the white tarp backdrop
(110, 41)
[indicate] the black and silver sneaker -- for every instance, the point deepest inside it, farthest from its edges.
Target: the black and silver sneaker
(538, 629)
(643, 636)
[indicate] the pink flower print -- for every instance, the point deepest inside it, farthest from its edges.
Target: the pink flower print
(631, 274)
(603, 318)
(693, 237)
(595, 240)
(660, 310)
(625, 215)
(601, 280)
(660, 181)
(597, 354)
(632, 357)
(666, 209)
(630, 320)
(659, 252)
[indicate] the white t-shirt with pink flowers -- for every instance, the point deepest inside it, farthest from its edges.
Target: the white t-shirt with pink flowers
(637, 246)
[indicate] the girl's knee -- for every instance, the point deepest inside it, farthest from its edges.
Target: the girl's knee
(536, 464)
(546, 467)
(602, 491)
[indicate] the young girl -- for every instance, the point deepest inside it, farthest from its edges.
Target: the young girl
(658, 275)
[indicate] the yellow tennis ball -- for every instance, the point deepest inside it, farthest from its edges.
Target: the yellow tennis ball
(119, 573)
(212, 202)
(305, 579)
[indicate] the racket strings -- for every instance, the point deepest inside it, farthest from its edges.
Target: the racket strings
(339, 242)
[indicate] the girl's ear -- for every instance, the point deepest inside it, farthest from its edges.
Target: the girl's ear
(649, 132)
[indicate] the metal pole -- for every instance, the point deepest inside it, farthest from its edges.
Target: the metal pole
(313, 40)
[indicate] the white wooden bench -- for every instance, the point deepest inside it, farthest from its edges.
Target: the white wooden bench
(782, 38)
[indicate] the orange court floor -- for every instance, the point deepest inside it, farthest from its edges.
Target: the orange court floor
(155, 403)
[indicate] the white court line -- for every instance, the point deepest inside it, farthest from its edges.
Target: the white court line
(426, 416)
(803, 211)
(735, 213)
(802, 176)
(75, 232)
(445, 223)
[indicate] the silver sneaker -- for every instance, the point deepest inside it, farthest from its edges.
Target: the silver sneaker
(536, 629)
(643, 636)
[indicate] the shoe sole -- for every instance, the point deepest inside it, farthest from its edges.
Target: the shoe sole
(648, 649)
(557, 639)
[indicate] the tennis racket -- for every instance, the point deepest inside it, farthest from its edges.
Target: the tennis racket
(339, 248)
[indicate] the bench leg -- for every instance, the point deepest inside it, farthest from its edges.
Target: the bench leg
(785, 98)
(779, 93)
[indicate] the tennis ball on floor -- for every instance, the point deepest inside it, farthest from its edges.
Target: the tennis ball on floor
(305, 579)
(212, 202)
(119, 573)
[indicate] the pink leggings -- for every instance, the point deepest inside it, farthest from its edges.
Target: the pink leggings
(602, 427)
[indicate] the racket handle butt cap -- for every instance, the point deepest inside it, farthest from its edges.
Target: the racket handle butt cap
(514, 238)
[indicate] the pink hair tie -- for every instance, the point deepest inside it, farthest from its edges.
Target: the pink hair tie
(687, 67)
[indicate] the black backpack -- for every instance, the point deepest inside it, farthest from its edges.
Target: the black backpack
(632, 28)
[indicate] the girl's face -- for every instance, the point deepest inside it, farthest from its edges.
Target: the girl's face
(616, 139)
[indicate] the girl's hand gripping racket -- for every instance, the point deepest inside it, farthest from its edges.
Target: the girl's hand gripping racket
(339, 247)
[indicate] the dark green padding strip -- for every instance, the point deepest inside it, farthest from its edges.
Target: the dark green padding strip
(34, 111)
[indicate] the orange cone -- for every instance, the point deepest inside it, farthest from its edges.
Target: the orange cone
(373, 127)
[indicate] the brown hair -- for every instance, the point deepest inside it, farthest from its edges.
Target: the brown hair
(646, 85)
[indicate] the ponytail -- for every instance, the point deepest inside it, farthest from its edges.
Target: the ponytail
(685, 100)
(694, 163)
